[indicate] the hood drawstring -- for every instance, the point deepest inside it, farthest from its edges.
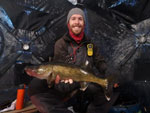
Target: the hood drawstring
(74, 51)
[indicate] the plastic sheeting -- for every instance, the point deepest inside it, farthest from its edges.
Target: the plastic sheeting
(28, 30)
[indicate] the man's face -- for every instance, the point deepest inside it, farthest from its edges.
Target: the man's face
(76, 23)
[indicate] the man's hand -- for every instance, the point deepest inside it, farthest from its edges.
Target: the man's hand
(70, 81)
(58, 79)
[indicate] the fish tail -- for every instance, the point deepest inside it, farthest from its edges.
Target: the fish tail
(103, 83)
(109, 89)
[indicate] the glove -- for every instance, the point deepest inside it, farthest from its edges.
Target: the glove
(65, 86)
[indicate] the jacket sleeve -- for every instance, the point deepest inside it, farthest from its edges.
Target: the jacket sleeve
(60, 51)
(99, 62)
(104, 69)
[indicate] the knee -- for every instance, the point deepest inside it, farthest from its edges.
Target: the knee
(35, 99)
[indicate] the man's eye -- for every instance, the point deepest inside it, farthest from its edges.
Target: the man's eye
(80, 18)
(72, 18)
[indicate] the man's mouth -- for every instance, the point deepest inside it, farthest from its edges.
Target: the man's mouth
(76, 27)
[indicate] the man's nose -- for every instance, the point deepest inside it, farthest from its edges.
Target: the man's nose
(77, 21)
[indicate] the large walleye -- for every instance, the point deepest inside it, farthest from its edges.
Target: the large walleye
(65, 71)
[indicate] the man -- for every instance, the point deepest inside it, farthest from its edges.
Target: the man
(73, 48)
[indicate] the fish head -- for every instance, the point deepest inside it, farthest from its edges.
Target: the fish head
(41, 71)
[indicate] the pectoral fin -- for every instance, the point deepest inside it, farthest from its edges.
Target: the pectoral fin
(50, 80)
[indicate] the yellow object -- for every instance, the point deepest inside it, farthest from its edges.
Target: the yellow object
(90, 49)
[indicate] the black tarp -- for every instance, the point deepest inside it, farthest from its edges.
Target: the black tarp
(113, 25)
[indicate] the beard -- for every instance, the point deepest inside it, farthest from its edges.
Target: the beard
(76, 29)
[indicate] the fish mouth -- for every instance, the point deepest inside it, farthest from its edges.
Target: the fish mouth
(31, 72)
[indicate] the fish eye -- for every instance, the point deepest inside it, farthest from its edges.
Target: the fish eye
(40, 70)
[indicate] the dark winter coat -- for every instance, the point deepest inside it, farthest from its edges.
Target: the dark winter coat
(68, 51)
